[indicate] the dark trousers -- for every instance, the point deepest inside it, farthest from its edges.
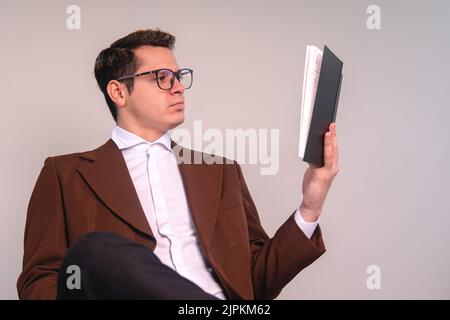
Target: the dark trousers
(103, 265)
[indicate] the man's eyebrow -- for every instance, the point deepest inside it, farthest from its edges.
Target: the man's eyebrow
(153, 69)
(173, 69)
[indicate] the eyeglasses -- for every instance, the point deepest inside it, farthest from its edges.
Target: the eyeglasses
(166, 77)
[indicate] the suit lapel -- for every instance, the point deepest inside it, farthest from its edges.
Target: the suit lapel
(202, 184)
(107, 175)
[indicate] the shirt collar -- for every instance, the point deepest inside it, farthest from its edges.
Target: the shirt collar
(125, 139)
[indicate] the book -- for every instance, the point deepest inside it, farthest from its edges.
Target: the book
(322, 80)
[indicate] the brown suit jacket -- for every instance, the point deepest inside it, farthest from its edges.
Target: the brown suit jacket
(93, 191)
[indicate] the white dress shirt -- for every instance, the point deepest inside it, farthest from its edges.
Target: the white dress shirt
(156, 177)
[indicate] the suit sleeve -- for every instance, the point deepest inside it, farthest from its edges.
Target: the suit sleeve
(276, 261)
(45, 241)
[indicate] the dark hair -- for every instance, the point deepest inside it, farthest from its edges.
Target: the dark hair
(119, 59)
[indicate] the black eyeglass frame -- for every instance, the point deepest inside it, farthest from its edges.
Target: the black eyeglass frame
(172, 81)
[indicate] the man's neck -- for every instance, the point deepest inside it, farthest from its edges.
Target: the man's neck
(150, 135)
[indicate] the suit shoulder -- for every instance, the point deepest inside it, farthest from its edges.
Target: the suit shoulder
(72, 159)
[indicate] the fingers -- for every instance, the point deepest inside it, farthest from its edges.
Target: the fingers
(331, 148)
(335, 144)
(328, 150)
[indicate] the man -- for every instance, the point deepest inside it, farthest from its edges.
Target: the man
(129, 220)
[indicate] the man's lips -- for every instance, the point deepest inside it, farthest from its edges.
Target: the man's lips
(178, 104)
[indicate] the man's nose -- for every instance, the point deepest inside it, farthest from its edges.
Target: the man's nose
(177, 87)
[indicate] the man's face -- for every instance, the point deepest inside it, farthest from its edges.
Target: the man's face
(148, 106)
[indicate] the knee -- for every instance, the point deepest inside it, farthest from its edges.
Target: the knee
(94, 249)
(97, 240)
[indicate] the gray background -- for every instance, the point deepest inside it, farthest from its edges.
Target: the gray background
(389, 204)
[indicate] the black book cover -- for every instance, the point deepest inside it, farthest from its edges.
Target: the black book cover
(325, 106)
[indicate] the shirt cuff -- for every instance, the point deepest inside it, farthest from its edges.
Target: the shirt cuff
(307, 227)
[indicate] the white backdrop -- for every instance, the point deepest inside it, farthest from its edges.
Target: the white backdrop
(389, 205)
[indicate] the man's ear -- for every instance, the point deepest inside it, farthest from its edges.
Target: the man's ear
(117, 92)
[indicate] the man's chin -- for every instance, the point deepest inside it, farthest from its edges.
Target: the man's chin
(176, 122)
